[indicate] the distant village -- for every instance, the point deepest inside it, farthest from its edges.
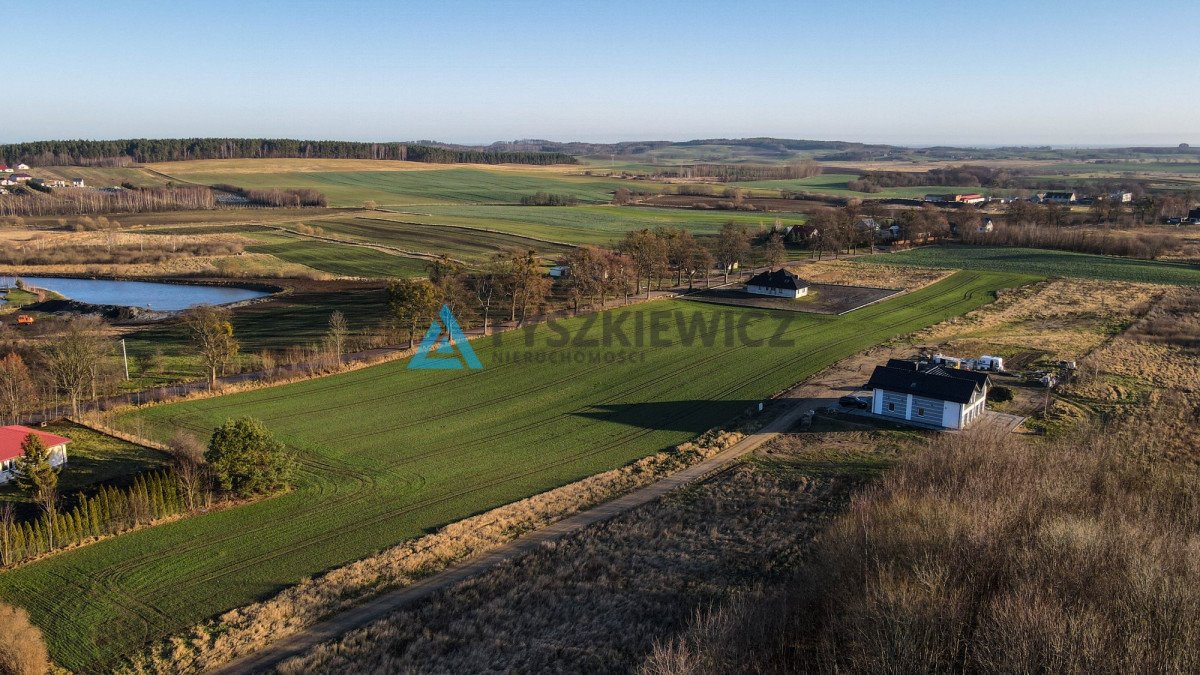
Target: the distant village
(13, 176)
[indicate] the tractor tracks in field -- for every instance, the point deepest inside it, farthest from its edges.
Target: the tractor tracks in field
(315, 466)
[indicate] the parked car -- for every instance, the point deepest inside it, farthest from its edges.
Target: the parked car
(860, 402)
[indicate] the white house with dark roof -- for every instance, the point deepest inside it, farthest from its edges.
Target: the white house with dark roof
(940, 397)
(780, 283)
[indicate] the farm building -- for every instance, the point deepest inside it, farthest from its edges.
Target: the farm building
(780, 283)
(972, 198)
(11, 438)
(1060, 198)
(1121, 197)
(22, 167)
(4, 168)
(941, 397)
(1194, 216)
(20, 177)
(78, 182)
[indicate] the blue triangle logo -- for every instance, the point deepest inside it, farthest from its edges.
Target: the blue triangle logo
(444, 346)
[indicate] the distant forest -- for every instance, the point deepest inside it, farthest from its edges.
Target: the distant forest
(144, 150)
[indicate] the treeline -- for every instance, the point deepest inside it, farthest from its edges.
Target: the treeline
(277, 197)
(82, 202)
(959, 176)
(727, 173)
(549, 199)
(142, 150)
(110, 511)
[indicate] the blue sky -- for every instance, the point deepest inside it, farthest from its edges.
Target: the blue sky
(920, 72)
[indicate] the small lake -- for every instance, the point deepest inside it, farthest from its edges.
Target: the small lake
(144, 294)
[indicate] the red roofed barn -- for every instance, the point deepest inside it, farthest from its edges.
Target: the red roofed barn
(11, 438)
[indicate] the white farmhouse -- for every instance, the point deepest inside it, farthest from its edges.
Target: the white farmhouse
(780, 283)
(11, 438)
(940, 397)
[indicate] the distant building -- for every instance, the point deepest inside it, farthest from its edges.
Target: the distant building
(940, 397)
(985, 227)
(1060, 198)
(868, 225)
(78, 182)
(935, 198)
(22, 167)
(1120, 197)
(780, 283)
(1194, 216)
(20, 177)
(560, 271)
(11, 438)
(970, 198)
(4, 168)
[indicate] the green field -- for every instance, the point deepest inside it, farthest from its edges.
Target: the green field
(432, 186)
(472, 245)
(836, 185)
(587, 224)
(1044, 262)
(340, 259)
(388, 453)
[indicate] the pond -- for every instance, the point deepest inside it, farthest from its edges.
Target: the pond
(145, 294)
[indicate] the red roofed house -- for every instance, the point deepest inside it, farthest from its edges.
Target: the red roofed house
(11, 438)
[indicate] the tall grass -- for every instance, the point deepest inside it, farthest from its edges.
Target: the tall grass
(986, 554)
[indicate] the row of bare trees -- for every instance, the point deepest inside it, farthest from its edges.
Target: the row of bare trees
(84, 201)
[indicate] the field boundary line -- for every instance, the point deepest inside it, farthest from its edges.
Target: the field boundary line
(392, 601)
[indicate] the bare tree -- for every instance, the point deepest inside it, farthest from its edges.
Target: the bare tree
(72, 358)
(17, 390)
(187, 459)
(733, 246)
(211, 329)
(336, 335)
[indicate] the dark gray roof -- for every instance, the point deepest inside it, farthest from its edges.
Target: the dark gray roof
(902, 364)
(947, 384)
(780, 278)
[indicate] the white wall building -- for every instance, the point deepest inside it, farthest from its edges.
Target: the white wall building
(941, 397)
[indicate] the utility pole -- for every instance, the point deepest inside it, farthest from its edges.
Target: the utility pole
(125, 358)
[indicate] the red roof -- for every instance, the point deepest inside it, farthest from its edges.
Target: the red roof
(13, 435)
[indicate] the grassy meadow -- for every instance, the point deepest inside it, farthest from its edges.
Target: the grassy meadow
(837, 185)
(1044, 262)
(467, 243)
(387, 453)
(446, 184)
(588, 224)
(340, 259)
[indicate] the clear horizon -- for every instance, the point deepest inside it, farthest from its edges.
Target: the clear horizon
(1083, 74)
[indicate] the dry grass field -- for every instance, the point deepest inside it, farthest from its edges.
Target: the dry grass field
(984, 553)
(596, 602)
(853, 273)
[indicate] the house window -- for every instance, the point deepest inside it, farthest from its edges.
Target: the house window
(920, 412)
(891, 407)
